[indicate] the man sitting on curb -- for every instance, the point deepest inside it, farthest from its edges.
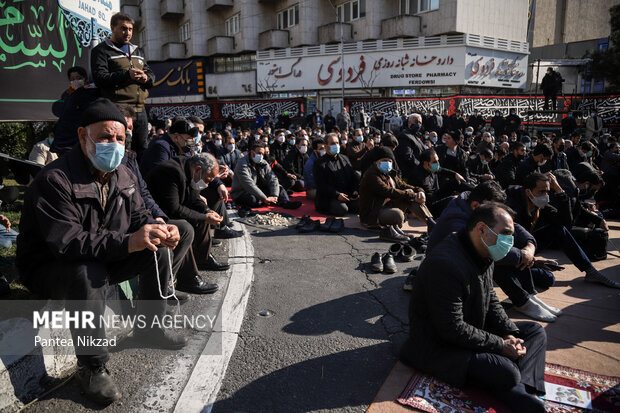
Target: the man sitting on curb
(385, 200)
(176, 186)
(84, 226)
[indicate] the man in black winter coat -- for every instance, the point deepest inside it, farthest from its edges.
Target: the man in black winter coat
(551, 85)
(410, 146)
(294, 164)
(459, 332)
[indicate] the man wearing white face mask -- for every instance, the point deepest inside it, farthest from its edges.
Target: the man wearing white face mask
(255, 184)
(547, 218)
(84, 226)
(294, 164)
(229, 156)
(279, 147)
(318, 150)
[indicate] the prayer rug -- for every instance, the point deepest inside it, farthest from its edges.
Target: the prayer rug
(434, 396)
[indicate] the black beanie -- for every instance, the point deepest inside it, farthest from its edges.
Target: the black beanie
(184, 127)
(384, 152)
(101, 109)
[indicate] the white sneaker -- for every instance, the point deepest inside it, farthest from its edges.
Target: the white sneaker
(553, 310)
(534, 310)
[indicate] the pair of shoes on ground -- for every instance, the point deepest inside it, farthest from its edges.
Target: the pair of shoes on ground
(307, 224)
(246, 212)
(536, 309)
(290, 204)
(393, 233)
(194, 285)
(383, 263)
(402, 252)
(419, 243)
(226, 232)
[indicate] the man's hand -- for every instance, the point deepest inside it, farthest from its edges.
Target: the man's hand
(487, 177)
(147, 237)
(292, 176)
(213, 218)
(222, 192)
(223, 172)
(553, 183)
(203, 199)
(513, 347)
(5, 221)
(603, 225)
(138, 75)
(272, 200)
(173, 237)
(527, 257)
(459, 178)
(342, 197)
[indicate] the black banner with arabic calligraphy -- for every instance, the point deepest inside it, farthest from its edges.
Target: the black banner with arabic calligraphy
(608, 106)
(240, 110)
(178, 78)
(37, 46)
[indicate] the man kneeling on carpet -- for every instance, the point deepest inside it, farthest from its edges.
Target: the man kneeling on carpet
(254, 183)
(385, 199)
(459, 332)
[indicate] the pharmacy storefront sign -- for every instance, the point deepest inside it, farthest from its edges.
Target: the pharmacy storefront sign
(441, 66)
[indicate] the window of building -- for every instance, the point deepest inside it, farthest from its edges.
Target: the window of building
(233, 25)
(240, 63)
(417, 6)
(288, 17)
(351, 10)
(185, 33)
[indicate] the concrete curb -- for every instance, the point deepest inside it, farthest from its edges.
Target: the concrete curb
(205, 381)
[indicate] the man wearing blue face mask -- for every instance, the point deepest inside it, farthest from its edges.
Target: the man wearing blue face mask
(336, 181)
(459, 332)
(255, 184)
(84, 226)
(385, 200)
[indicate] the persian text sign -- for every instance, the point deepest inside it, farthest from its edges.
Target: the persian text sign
(101, 10)
(391, 68)
(177, 78)
(495, 68)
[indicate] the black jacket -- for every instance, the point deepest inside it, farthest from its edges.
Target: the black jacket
(512, 123)
(333, 175)
(525, 168)
(506, 172)
(456, 163)
(110, 66)
(429, 181)
(454, 312)
(130, 161)
(498, 123)
(408, 152)
(63, 218)
(294, 163)
(558, 212)
(170, 185)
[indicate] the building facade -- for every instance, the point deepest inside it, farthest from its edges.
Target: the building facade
(301, 48)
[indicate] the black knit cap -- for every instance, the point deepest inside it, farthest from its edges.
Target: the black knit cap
(384, 152)
(101, 109)
(184, 127)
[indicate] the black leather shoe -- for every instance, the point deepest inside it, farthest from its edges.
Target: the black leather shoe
(160, 338)
(290, 205)
(226, 233)
(97, 384)
(196, 285)
(389, 265)
(310, 226)
(337, 226)
(181, 296)
(375, 262)
(212, 265)
(395, 249)
(216, 242)
(406, 253)
(303, 221)
(325, 226)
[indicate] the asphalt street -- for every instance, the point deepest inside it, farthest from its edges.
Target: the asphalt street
(332, 338)
(336, 327)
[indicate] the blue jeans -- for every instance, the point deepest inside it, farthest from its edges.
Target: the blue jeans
(556, 235)
(7, 238)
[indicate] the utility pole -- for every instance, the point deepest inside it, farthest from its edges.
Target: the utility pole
(341, 46)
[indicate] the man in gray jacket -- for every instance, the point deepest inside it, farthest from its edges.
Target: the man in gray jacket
(255, 185)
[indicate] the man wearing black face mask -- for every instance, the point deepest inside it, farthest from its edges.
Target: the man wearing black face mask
(569, 124)
(410, 146)
(179, 140)
(506, 172)
(558, 160)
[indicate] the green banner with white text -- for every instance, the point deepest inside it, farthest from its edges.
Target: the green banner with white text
(37, 46)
